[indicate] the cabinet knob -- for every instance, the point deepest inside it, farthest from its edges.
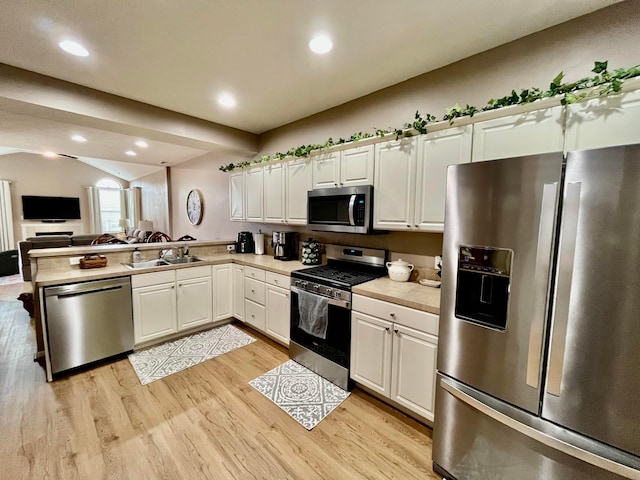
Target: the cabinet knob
(286, 295)
(335, 184)
(395, 330)
(179, 284)
(173, 286)
(387, 328)
(253, 316)
(392, 314)
(275, 281)
(253, 291)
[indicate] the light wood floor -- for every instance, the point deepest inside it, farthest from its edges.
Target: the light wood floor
(205, 422)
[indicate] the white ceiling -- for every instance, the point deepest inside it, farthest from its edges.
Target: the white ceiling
(180, 55)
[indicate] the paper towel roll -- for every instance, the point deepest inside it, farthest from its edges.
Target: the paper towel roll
(259, 240)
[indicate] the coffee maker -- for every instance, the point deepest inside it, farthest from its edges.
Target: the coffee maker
(245, 243)
(285, 245)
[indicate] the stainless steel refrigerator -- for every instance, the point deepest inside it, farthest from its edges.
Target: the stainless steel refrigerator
(539, 346)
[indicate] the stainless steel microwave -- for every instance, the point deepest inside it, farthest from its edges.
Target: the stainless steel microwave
(343, 209)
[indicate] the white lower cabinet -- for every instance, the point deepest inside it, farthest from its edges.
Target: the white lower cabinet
(393, 353)
(154, 312)
(266, 302)
(222, 276)
(238, 292)
(194, 302)
(170, 301)
(278, 312)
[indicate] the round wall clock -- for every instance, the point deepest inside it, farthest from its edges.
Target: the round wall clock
(194, 207)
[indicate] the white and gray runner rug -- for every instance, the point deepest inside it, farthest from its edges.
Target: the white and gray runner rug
(171, 357)
(304, 395)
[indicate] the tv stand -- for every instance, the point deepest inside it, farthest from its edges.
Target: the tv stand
(53, 221)
(31, 229)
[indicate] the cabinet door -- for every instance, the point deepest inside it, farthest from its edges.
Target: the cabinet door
(194, 302)
(298, 183)
(326, 170)
(222, 291)
(154, 312)
(603, 122)
(371, 352)
(274, 193)
(414, 370)
(278, 313)
(253, 195)
(238, 292)
(394, 185)
(356, 166)
(529, 133)
(436, 151)
(236, 196)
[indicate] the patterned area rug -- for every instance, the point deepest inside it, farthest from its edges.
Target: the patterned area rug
(304, 395)
(171, 357)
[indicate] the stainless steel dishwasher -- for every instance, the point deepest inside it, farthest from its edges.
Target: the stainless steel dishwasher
(88, 321)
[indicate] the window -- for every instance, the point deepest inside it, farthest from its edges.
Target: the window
(111, 208)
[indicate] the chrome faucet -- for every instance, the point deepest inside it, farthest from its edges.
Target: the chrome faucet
(174, 252)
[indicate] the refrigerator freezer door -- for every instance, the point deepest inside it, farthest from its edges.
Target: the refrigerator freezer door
(500, 205)
(496, 441)
(592, 383)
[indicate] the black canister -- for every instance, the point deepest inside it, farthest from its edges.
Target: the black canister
(311, 252)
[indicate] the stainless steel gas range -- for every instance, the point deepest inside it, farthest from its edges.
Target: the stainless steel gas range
(321, 309)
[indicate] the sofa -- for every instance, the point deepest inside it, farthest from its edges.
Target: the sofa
(48, 241)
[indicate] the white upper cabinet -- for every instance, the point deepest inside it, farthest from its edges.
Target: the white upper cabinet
(274, 193)
(356, 166)
(253, 190)
(394, 184)
(326, 170)
(603, 122)
(346, 168)
(298, 183)
(530, 133)
(436, 151)
(236, 196)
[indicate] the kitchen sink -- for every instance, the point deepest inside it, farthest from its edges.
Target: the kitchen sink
(147, 264)
(162, 262)
(180, 261)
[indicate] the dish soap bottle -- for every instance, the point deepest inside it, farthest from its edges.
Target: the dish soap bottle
(137, 257)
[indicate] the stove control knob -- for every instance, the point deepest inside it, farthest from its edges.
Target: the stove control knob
(316, 287)
(329, 291)
(297, 283)
(303, 284)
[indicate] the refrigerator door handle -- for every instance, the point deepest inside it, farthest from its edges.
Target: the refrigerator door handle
(560, 317)
(539, 436)
(541, 282)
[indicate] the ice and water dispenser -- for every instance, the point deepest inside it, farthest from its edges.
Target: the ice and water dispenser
(482, 294)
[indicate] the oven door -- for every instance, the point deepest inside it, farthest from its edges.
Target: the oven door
(336, 346)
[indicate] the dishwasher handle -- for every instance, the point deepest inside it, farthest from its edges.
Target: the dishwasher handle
(87, 287)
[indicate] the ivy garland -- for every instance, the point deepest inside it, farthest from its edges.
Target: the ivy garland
(602, 83)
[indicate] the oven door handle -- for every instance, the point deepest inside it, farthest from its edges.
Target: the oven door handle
(331, 301)
(352, 204)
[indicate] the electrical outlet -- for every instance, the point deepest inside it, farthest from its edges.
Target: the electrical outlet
(437, 264)
(74, 260)
(231, 248)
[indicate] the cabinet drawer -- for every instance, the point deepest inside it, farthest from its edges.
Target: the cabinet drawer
(409, 317)
(254, 314)
(193, 272)
(254, 273)
(155, 278)
(278, 280)
(254, 290)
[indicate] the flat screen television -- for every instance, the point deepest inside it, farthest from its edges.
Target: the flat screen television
(50, 209)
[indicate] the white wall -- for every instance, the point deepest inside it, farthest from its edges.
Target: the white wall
(33, 174)
(155, 200)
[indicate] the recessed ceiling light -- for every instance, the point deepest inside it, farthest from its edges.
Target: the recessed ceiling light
(50, 154)
(131, 153)
(320, 44)
(227, 100)
(142, 144)
(78, 138)
(74, 48)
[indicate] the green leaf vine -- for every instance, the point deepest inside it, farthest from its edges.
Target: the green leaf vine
(601, 84)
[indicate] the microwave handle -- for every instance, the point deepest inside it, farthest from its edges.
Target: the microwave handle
(352, 204)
